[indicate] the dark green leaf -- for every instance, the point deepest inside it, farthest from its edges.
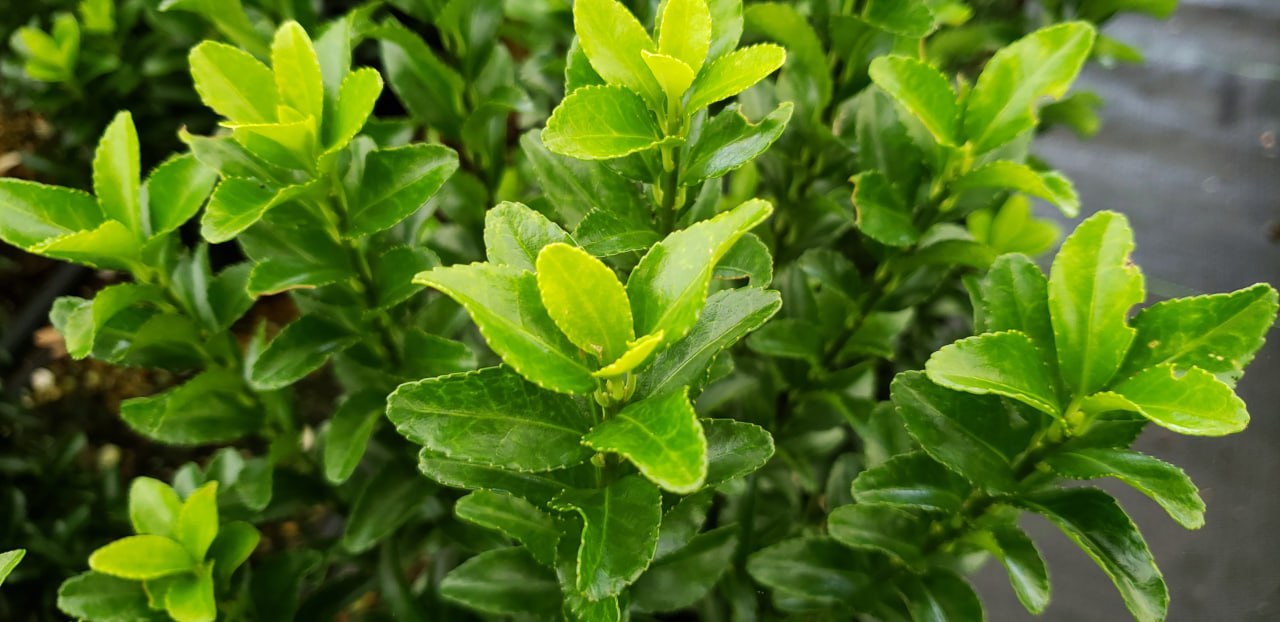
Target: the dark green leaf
(913, 480)
(301, 348)
(373, 517)
(349, 430)
(620, 533)
(397, 182)
(504, 582)
(882, 214)
(1164, 483)
(212, 407)
(942, 596)
(1027, 572)
(734, 449)
(682, 578)
(729, 140)
(514, 517)
(537, 487)
(884, 528)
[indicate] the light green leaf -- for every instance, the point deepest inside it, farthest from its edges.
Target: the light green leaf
(912, 480)
(293, 143)
(190, 597)
(1014, 296)
(684, 31)
(728, 141)
(301, 348)
(661, 436)
(637, 354)
(586, 301)
(515, 234)
(672, 74)
(197, 524)
(602, 122)
(233, 83)
(492, 416)
(82, 322)
(299, 83)
(504, 582)
(1027, 572)
(236, 541)
(619, 536)
(1003, 174)
(237, 203)
(117, 175)
(397, 182)
(728, 316)
(1164, 483)
(8, 561)
(514, 517)
(350, 428)
(1187, 402)
(274, 275)
(726, 26)
(174, 192)
(894, 531)
(682, 578)
(734, 449)
(1007, 364)
(1044, 63)
(360, 90)
(142, 557)
(32, 214)
(612, 39)
(1012, 228)
(213, 407)
(153, 507)
(393, 273)
(1092, 286)
(669, 287)
(882, 214)
(1218, 333)
(104, 598)
(504, 302)
(922, 90)
(734, 73)
(110, 245)
(1095, 522)
(905, 18)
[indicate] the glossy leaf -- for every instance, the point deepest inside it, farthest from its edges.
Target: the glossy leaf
(604, 233)
(101, 597)
(586, 300)
(398, 182)
(350, 428)
(886, 529)
(734, 73)
(921, 89)
(1164, 483)
(153, 506)
(514, 517)
(673, 75)
(1190, 402)
(190, 597)
(515, 234)
(661, 436)
(682, 522)
(299, 84)
(142, 557)
(637, 354)
(1027, 572)
(301, 348)
(682, 578)
(619, 536)
(197, 523)
(492, 416)
(906, 18)
(174, 192)
(728, 141)
(503, 582)
(1048, 185)
(8, 561)
(1013, 296)
(576, 187)
(942, 596)
(357, 95)
(117, 174)
(734, 449)
(538, 487)
(882, 214)
(612, 39)
(212, 407)
(600, 123)
(1007, 364)
(233, 83)
(237, 203)
(909, 480)
(684, 31)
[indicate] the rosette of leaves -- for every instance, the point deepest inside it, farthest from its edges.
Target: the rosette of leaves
(577, 446)
(176, 567)
(641, 105)
(1055, 388)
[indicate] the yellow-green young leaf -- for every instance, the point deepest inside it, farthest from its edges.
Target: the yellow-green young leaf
(8, 561)
(1007, 364)
(684, 32)
(359, 91)
(1012, 228)
(299, 83)
(637, 354)
(586, 301)
(1003, 174)
(619, 534)
(734, 73)
(612, 39)
(600, 123)
(882, 215)
(197, 524)
(142, 557)
(1188, 402)
(515, 234)
(190, 597)
(669, 287)
(1044, 63)
(110, 245)
(662, 437)
(514, 517)
(153, 507)
(672, 74)
(1092, 286)
(32, 214)
(117, 175)
(293, 144)
(233, 83)
(1164, 483)
(505, 304)
(174, 192)
(922, 90)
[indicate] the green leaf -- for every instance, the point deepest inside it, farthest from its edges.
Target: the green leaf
(1188, 402)
(233, 83)
(111, 245)
(668, 289)
(1095, 522)
(789, 338)
(1003, 174)
(1044, 63)
(174, 192)
(672, 74)
(922, 90)
(1164, 483)
(600, 123)
(117, 174)
(1027, 572)
(276, 275)
(734, 449)
(104, 598)
(212, 407)
(373, 518)
(292, 144)
(942, 596)
(8, 561)
(682, 578)
(82, 325)
(734, 73)
(661, 436)
(1011, 228)
(299, 83)
(1092, 285)
(431, 90)
(586, 300)
(1218, 333)
(807, 79)
(882, 214)
(637, 354)
(969, 433)
(514, 517)
(492, 416)
(894, 531)
(1014, 296)
(153, 507)
(504, 582)
(726, 26)
(912, 480)
(236, 541)
(32, 214)
(359, 92)
(237, 203)
(190, 597)
(728, 316)
(905, 18)
(620, 533)
(684, 31)
(514, 235)
(301, 348)
(815, 568)
(749, 259)
(504, 302)
(537, 487)
(393, 273)
(1007, 364)
(576, 187)
(612, 39)
(682, 522)
(604, 232)
(350, 428)
(729, 141)
(397, 182)
(197, 524)
(142, 557)
(428, 355)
